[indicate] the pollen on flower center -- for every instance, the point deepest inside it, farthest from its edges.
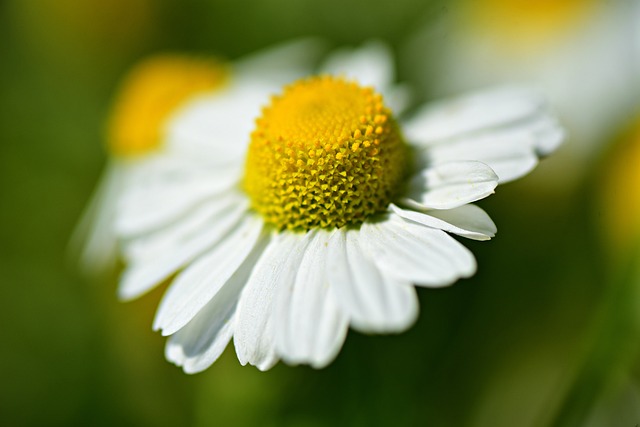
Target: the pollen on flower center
(151, 93)
(326, 153)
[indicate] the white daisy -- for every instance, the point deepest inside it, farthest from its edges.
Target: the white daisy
(152, 93)
(325, 216)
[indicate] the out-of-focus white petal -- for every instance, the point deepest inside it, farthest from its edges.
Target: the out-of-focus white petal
(139, 278)
(163, 190)
(418, 254)
(397, 98)
(214, 131)
(254, 329)
(467, 221)
(150, 246)
(471, 113)
(507, 158)
(369, 65)
(282, 63)
(449, 185)
(511, 152)
(548, 135)
(206, 276)
(375, 302)
(310, 325)
(94, 239)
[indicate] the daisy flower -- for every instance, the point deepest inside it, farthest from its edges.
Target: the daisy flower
(326, 215)
(581, 53)
(153, 92)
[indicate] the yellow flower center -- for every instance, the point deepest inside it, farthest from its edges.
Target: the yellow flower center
(152, 91)
(326, 153)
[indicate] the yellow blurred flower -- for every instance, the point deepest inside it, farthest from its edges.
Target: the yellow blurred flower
(522, 26)
(151, 92)
(620, 193)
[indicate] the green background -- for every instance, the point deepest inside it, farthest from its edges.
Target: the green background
(544, 334)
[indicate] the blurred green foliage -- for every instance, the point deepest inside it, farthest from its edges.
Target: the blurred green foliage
(528, 341)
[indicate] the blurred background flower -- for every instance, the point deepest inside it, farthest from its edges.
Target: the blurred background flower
(581, 53)
(545, 333)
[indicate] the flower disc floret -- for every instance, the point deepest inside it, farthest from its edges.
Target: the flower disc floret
(324, 154)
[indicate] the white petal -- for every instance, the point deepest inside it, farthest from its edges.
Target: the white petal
(549, 135)
(397, 98)
(509, 159)
(254, 337)
(310, 326)
(139, 278)
(202, 280)
(214, 131)
(198, 344)
(281, 63)
(155, 244)
(370, 65)
(374, 302)
(452, 184)
(468, 220)
(94, 239)
(510, 151)
(412, 252)
(482, 110)
(164, 190)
